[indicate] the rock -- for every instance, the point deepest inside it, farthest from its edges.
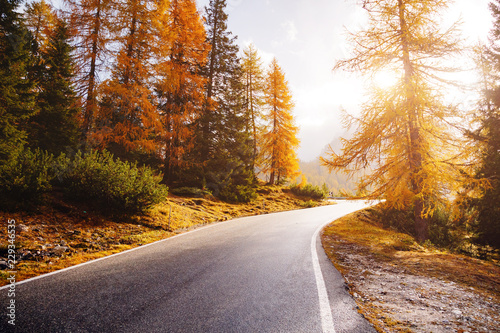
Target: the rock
(59, 250)
(457, 312)
(3, 265)
(22, 228)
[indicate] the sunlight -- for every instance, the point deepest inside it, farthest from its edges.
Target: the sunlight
(385, 79)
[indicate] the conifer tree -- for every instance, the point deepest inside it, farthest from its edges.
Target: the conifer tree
(55, 128)
(180, 86)
(128, 121)
(404, 133)
(223, 141)
(94, 22)
(481, 202)
(278, 157)
(222, 63)
(17, 95)
(253, 78)
(40, 19)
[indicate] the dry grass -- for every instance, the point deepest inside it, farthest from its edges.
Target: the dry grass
(359, 248)
(87, 236)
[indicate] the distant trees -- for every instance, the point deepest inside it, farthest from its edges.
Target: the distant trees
(278, 157)
(404, 134)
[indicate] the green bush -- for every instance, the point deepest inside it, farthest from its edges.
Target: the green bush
(190, 192)
(25, 179)
(238, 193)
(111, 185)
(310, 191)
(309, 204)
(395, 219)
(442, 232)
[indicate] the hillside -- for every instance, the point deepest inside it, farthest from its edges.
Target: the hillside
(317, 175)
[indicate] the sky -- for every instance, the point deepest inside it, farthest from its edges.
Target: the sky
(307, 37)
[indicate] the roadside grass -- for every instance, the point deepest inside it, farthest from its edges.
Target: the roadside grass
(66, 235)
(362, 235)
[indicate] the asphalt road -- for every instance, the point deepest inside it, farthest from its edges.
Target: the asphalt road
(258, 274)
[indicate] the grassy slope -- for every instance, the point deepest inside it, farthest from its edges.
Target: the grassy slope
(82, 235)
(361, 235)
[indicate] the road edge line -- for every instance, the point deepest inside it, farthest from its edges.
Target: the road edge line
(324, 302)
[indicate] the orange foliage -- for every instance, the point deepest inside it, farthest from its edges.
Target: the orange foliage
(128, 116)
(180, 88)
(280, 141)
(92, 22)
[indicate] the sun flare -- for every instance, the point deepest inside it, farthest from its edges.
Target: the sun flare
(385, 79)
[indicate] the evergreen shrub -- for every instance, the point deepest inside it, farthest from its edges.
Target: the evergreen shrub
(25, 179)
(112, 185)
(193, 192)
(310, 191)
(238, 193)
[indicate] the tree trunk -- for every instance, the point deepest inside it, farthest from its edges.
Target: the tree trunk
(415, 140)
(90, 102)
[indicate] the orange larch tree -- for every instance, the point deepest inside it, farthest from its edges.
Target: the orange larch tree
(128, 120)
(40, 19)
(253, 77)
(92, 21)
(180, 86)
(278, 157)
(405, 134)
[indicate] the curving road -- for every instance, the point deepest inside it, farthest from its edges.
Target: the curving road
(265, 273)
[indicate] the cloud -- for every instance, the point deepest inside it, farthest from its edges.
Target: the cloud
(290, 30)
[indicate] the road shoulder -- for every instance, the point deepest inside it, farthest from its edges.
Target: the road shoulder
(400, 287)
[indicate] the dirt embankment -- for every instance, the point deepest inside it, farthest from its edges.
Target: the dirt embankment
(400, 286)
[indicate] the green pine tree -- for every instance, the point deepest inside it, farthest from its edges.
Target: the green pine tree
(55, 127)
(17, 94)
(223, 141)
(483, 207)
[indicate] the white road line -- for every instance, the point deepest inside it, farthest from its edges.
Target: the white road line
(324, 302)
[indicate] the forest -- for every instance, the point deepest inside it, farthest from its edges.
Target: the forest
(117, 102)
